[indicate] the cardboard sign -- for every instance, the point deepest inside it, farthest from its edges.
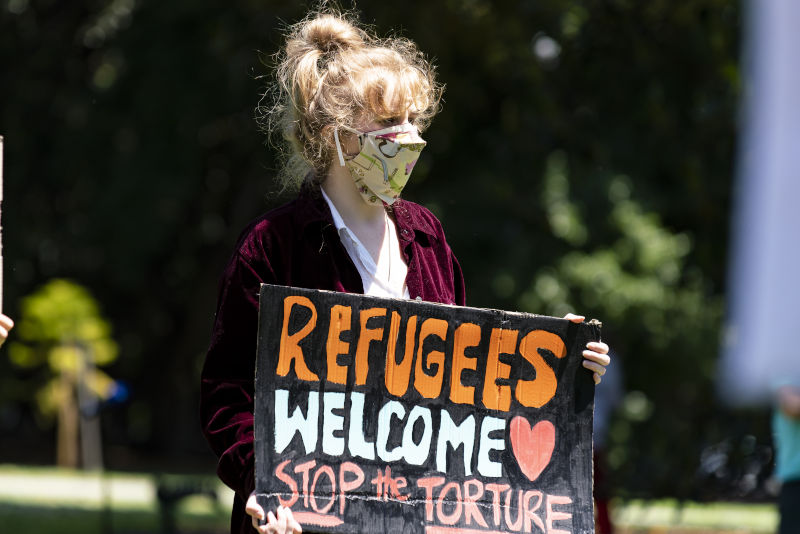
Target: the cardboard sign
(385, 415)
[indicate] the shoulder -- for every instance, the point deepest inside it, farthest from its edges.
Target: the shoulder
(263, 232)
(269, 222)
(281, 228)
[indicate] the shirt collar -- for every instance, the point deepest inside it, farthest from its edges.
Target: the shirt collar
(313, 209)
(338, 222)
(410, 216)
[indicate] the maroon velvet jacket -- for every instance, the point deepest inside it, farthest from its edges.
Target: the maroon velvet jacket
(295, 245)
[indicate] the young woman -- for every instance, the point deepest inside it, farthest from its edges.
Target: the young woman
(351, 107)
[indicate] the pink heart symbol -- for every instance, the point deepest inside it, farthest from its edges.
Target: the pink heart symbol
(533, 447)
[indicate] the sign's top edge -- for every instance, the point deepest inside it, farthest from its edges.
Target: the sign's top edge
(420, 301)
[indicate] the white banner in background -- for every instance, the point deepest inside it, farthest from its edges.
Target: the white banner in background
(762, 334)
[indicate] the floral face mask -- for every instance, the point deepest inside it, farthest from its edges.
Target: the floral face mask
(384, 163)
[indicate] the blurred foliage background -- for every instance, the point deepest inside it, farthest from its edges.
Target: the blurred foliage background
(582, 161)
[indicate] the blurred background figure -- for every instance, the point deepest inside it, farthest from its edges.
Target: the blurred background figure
(786, 425)
(6, 324)
(606, 401)
(760, 345)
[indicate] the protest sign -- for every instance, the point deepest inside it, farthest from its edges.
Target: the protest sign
(391, 415)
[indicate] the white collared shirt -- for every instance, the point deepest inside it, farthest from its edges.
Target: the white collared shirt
(387, 278)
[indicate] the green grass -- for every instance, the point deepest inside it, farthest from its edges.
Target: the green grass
(38, 500)
(24, 519)
(705, 517)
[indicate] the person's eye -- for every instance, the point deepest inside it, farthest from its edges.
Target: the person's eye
(388, 121)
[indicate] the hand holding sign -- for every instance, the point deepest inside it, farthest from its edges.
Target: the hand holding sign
(6, 324)
(596, 352)
(280, 522)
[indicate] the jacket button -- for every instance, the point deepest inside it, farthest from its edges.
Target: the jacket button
(404, 232)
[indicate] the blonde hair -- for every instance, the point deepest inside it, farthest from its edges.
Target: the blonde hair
(332, 73)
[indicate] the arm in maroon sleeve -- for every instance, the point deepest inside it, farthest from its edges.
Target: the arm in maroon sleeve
(226, 391)
(459, 290)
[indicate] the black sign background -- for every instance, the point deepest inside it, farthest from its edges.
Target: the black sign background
(557, 498)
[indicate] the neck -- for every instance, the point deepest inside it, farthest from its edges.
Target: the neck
(341, 189)
(366, 221)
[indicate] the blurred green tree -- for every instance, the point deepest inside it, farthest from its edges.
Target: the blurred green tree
(62, 331)
(663, 321)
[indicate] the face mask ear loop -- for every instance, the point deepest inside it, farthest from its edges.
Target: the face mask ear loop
(338, 146)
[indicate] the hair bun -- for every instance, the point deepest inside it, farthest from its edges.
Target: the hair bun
(328, 33)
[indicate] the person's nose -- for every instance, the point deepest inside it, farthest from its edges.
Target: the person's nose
(404, 117)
